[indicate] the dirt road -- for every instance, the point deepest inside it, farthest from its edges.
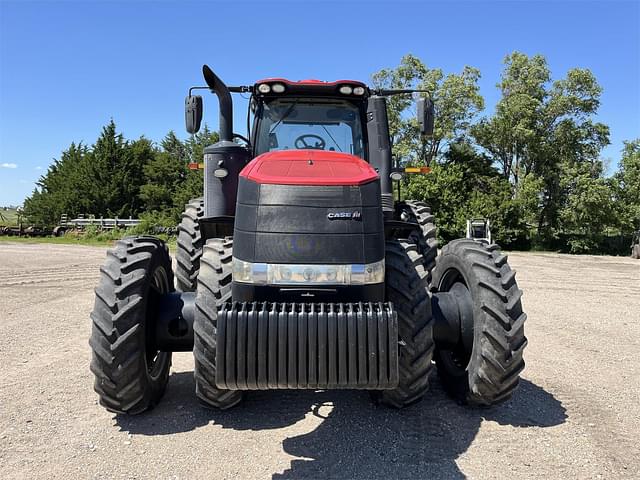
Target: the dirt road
(576, 414)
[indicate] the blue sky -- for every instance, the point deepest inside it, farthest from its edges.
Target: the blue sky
(67, 68)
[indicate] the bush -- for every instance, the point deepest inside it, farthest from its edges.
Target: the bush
(153, 223)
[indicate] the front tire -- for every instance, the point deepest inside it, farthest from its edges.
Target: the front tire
(214, 289)
(488, 371)
(407, 288)
(130, 373)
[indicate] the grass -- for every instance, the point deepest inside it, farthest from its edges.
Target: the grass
(92, 241)
(58, 240)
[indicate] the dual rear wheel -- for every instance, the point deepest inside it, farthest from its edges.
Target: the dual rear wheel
(131, 373)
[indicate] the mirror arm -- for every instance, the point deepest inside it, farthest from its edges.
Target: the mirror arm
(191, 89)
(239, 89)
(388, 92)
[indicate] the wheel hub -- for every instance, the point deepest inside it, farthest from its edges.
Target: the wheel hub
(453, 315)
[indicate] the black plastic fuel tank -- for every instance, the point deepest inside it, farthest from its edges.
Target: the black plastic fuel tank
(222, 164)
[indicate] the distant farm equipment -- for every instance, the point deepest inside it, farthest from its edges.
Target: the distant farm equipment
(81, 222)
(479, 229)
(635, 245)
(11, 224)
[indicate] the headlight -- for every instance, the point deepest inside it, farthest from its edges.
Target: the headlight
(374, 273)
(277, 88)
(346, 90)
(358, 91)
(285, 274)
(264, 88)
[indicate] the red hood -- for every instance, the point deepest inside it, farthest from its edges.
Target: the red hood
(309, 167)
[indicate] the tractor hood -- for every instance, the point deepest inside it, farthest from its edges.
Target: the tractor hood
(308, 167)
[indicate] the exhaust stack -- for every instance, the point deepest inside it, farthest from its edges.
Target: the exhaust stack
(226, 104)
(223, 160)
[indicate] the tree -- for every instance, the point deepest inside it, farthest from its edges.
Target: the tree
(457, 101)
(588, 209)
(116, 172)
(194, 147)
(464, 185)
(627, 187)
(540, 128)
(165, 175)
(62, 190)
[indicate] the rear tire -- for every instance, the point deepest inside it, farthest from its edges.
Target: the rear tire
(407, 288)
(489, 371)
(130, 374)
(214, 289)
(425, 238)
(189, 246)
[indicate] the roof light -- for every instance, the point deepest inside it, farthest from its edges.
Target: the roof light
(264, 88)
(346, 90)
(277, 88)
(358, 91)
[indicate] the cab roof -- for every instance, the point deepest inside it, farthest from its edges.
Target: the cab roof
(337, 88)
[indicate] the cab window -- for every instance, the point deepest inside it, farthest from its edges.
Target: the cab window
(290, 124)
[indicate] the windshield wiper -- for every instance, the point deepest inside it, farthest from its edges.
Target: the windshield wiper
(285, 115)
(334, 140)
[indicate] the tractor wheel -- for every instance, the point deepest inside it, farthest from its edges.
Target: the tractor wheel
(483, 368)
(425, 238)
(214, 289)
(130, 373)
(406, 288)
(189, 248)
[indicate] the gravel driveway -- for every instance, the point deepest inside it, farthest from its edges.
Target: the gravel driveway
(575, 415)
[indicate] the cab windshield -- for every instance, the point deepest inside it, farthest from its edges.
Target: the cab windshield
(317, 124)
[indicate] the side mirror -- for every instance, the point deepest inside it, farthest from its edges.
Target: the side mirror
(426, 114)
(193, 113)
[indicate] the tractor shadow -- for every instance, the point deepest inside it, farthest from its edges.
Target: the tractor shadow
(355, 439)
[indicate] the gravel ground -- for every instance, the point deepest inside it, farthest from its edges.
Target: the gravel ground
(575, 415)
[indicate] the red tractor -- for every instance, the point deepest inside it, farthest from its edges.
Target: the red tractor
(298, 269)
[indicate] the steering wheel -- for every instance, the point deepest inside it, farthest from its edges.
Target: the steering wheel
(302, 144)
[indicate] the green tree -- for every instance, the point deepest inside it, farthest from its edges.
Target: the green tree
(542, 127)
(62, 190)
(164, 174)
(139, 154)
(627, 187)
(116, 172)
(194, 181)
(589, 206)
(464, 185)
(457, 101)
(104, 180)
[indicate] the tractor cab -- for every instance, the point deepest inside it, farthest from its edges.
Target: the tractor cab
(309, 115)
(344, 122)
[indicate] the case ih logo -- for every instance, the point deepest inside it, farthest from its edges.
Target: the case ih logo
(344, 215)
